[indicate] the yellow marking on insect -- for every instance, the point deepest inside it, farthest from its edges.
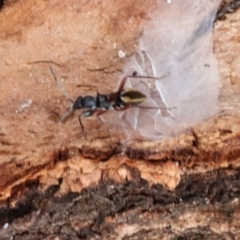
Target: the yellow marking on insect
(131, 96)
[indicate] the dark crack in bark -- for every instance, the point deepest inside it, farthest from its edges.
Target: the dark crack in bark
(101, 211)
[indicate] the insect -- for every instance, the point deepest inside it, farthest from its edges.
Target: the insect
(120, 100)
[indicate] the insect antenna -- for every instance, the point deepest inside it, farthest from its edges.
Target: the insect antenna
(60, 86)
(70, 110)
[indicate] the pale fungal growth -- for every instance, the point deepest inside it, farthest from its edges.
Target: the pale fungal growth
(27, 103)
(177, 44)
(6, 225)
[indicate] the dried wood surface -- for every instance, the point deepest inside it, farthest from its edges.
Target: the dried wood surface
(57, 185)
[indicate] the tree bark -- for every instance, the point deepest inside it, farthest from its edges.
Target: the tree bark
(55, 184)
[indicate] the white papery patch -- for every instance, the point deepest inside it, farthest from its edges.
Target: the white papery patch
(176, 42)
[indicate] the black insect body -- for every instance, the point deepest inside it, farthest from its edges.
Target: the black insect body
(120, 100)
(92, 103)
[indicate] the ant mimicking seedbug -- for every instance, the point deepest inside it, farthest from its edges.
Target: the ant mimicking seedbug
(120, 100)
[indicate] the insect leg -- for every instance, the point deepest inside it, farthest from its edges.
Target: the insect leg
(156, 78)
(161, 108)
(122, 108)
(98, 114)
(89, 113)
(121, 86)
(86, 113)
(66, 115)
(80, 122)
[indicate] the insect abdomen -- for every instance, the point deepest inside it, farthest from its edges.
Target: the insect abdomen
(131, 96)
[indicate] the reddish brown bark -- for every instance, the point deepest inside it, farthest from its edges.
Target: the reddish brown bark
(57, 185)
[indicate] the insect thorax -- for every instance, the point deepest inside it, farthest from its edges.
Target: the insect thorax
(85, 102)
